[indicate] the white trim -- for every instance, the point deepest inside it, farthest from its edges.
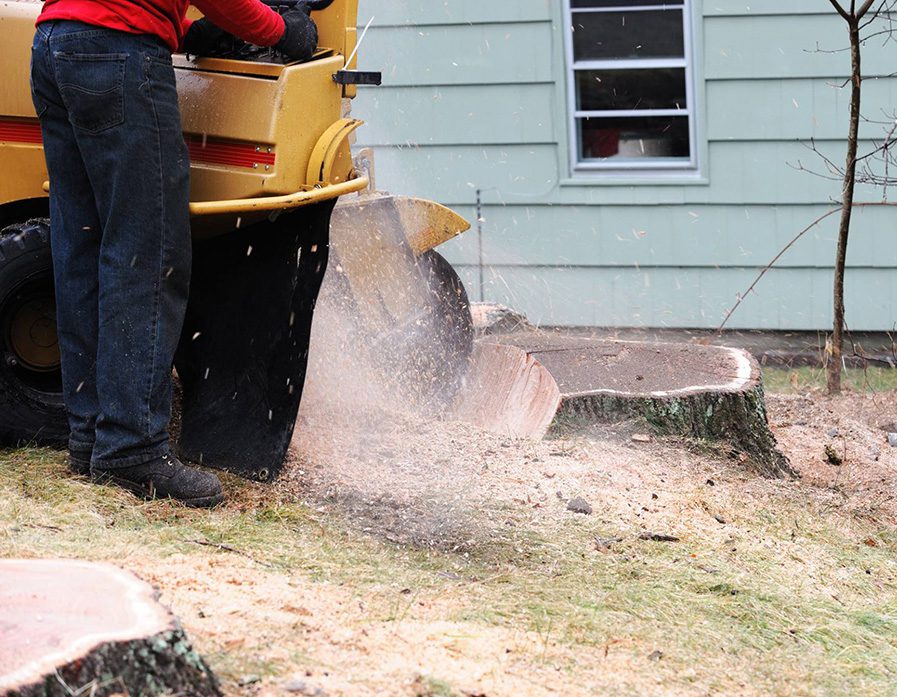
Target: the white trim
(630, 64)
(630, 113)
(666, 166)
(627, 8)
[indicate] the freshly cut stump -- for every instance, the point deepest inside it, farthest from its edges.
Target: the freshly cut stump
(81, 628)
(528, 384)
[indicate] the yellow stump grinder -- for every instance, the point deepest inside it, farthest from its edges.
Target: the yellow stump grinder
(275, 193)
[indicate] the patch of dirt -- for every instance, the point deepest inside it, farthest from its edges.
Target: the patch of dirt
(865, 483)
(448, 487)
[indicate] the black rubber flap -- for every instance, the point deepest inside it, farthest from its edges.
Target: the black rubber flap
(244, 350)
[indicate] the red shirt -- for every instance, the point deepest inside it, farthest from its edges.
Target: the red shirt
(248, 19)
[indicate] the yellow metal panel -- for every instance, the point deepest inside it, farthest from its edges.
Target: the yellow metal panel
(331, 154)
(282, 112)
(288, 114)
(332, 24)
(25, 172)
(15, 57)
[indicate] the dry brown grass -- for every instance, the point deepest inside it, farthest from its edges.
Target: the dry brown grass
(774, 588)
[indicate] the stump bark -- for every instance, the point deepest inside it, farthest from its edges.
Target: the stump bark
(70, 627)
(529, 384)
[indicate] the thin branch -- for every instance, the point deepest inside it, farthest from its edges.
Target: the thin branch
(775, 259)
(865, 8)
(233, 550)
(841, 10)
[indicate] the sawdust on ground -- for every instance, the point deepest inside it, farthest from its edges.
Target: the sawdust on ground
(414, 481)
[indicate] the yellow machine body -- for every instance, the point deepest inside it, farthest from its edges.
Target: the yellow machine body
(266, 138)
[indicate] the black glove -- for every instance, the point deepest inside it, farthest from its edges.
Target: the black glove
(205, 39)
(300, 35)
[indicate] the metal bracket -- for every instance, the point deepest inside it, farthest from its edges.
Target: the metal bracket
(358, 77)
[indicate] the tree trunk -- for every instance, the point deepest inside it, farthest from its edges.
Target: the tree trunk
(528, 384)
(80, 628)
(835, 353)
(737, 418)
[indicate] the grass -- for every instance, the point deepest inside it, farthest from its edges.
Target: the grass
(787, 600)
(805, 379)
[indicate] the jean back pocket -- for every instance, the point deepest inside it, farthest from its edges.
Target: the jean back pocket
(92, 88)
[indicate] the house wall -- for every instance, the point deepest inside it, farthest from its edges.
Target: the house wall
(474, 97)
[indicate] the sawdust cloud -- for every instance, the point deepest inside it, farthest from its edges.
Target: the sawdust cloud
(371, 439)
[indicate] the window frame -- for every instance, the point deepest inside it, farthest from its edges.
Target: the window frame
(663, 168)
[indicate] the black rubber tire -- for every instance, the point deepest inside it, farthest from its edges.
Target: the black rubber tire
(31, 404)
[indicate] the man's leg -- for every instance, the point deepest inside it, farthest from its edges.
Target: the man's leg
(122, 104)
(75, 239)
(119, 92)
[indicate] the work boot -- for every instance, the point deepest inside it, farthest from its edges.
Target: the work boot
(163, 478)
(79, 462)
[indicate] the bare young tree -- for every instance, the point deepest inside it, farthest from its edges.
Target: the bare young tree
(873, 19)
(854, 17)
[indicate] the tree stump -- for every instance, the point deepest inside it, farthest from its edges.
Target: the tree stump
(80, 628)
(529, 384)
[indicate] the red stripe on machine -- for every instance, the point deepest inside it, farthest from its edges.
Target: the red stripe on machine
(209, 150)
(222, 152)
(14, 131)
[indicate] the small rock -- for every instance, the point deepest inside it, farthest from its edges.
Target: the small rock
(579, 505)
(892, 440)
(719, 519)
(657, 537)
(655, 655)
(641, 438)
(294, 686)
(248, 680)
(832, 457)
(602, 544)
(833, 433)
(303, 688)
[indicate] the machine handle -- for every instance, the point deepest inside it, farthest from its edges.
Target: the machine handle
(305, 197)
(313, 5)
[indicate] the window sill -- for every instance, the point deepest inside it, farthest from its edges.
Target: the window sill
(641, 179)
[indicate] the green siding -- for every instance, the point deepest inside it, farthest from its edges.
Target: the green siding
(800, 108)
(424, 13)
(475, 98)
(663, 236)
(447, 115)
(461, 54)
(746, 48)
(673, 297)
(752, 172)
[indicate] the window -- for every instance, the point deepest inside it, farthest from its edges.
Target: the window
(631, 86)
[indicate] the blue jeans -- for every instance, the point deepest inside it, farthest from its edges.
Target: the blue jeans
(120, 231)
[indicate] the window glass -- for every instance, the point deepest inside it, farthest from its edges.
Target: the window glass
(600, 90)
(635, 34)
(634, 138)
